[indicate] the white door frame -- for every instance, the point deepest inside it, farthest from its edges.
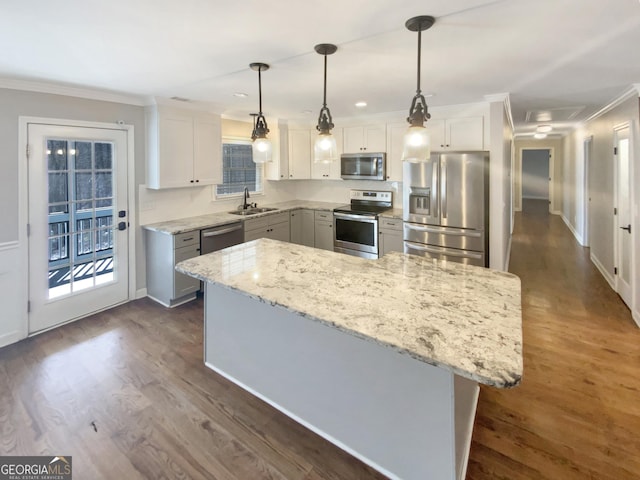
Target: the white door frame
(616, 229)
(587, 157)
(23, 201)
(552, 156)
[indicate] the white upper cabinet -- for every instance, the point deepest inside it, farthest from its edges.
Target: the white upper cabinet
(299, 154)
(464, 133)
(183, 148)
(278, 169)
(395, 146)
(364, 138)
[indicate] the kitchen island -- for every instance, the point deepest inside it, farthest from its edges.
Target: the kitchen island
(381, 357)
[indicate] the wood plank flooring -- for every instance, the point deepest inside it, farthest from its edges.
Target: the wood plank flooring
(576, 414)
(136, 373)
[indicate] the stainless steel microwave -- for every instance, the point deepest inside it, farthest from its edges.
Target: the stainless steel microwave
(363, 166)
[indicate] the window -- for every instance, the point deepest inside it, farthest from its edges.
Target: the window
(238, 169)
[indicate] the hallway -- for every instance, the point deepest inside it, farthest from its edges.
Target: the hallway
(576, 414)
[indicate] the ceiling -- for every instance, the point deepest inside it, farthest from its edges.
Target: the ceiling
(562, 59)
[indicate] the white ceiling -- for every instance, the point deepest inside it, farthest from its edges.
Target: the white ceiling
(555, 55)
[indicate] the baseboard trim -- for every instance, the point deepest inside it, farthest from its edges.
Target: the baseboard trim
(635, 314)
(577, 236)
(140, 293)
(11, 337)
(603, 271)
(556, 212)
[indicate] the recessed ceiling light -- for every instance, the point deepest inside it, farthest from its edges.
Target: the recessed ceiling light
(361, 104)
(544, 128)
(240, 94)
(540, 136)
(307, 112)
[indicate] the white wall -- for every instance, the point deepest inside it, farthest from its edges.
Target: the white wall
(535, 174)
(601, 188)
(500, 201)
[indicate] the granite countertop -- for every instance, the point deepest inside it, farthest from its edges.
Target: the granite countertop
(461, 318)
(174, 227)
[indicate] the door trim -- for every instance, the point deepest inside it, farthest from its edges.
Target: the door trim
(23, 203)
(587, 157)
(616, 232)
(552, 156)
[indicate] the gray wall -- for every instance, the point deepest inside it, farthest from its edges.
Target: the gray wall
(535, 174)
(17, 103)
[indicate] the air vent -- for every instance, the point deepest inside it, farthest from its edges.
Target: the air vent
(180, 99)
(560, 114)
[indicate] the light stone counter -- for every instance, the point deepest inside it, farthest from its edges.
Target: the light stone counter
(174, 227)
(463, 319)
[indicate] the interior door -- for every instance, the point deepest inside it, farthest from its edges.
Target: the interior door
(622, 230)
(78, 245)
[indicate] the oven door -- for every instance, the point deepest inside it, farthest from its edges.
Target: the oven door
(355, 232)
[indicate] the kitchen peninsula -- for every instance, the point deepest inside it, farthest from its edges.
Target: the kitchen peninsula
(381, 357)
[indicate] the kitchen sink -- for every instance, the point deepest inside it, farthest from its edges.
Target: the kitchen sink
(252, 211)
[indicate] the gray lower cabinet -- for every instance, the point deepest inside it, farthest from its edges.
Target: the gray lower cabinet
(390, 238)
(274, 226)
(164, 251)
(323, 231)
(303, 227)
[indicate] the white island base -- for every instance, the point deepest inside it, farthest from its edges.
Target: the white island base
(403, 417)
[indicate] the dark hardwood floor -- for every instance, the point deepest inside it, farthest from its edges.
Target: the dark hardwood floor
(125, 392)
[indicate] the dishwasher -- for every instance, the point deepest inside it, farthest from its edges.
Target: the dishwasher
(223, 236)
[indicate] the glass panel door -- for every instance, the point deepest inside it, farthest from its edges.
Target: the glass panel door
(78, 258)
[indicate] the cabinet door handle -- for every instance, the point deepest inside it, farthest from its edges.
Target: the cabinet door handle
(197, 181)
(191, 181)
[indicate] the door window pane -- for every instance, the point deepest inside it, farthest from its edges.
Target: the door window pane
(57, 187)
(84, 189)
(57, 154)
(83, 155)
(103, 185)
(103, 156)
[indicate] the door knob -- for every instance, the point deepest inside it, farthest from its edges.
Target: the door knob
(627, 228)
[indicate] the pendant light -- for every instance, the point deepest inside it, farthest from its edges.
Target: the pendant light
(325, 149)
(417, 146)
(262, 147)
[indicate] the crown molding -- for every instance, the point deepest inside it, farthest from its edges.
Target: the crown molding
(633, 91)
(505, 98)
(70, 91)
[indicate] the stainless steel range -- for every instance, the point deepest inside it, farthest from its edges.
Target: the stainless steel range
(355, 226)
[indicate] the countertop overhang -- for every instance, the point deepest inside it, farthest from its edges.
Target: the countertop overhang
(461, 318)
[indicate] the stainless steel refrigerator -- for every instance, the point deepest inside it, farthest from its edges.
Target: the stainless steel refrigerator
(445, 207)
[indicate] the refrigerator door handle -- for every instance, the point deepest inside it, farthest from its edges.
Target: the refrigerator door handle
(445, 251)
(443, 186)
(444, 230)
(433, 198)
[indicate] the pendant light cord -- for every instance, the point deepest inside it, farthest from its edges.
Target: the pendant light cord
(324, 102)
(260, 88)
(419, 56)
